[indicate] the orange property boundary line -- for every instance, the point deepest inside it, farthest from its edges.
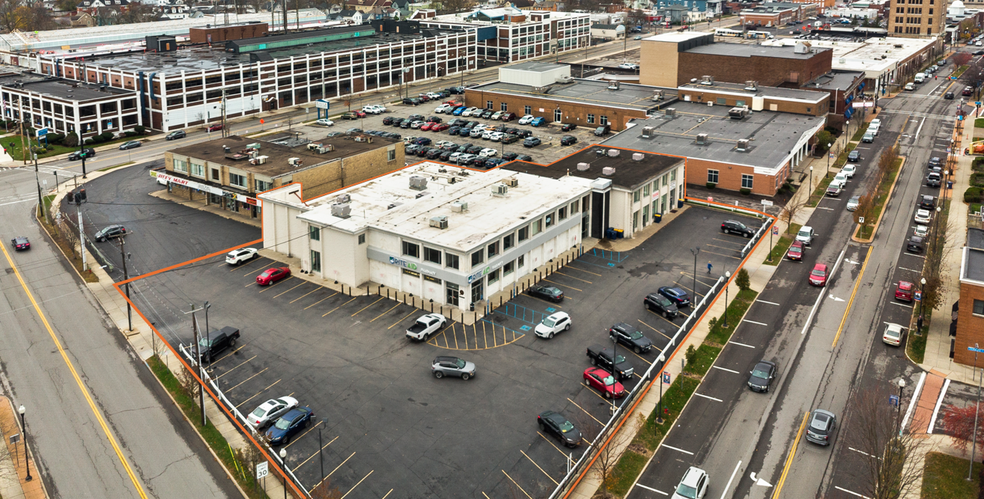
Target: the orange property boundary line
(677, 350)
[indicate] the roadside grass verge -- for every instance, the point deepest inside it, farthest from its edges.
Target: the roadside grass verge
(66, 243)
(945, 477)
(881, 197)
(779, 250)
(858, 135)
(956, 74)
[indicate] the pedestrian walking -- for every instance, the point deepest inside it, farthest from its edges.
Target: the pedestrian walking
(709, 266)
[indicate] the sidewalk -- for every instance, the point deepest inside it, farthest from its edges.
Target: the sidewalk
(13, 474)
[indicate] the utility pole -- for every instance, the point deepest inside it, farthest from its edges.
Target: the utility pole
(78, 216)
(126, 277)
(37, 180)
(198, 360)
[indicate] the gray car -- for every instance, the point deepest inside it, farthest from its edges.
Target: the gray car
(852, 204)
(452, 366)
(109, 232)
(821, 427)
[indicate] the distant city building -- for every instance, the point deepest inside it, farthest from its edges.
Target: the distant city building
(916, 18)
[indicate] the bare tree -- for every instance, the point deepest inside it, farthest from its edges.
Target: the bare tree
(865, 209)
(789, 212)
(889, 465)
(9, 19)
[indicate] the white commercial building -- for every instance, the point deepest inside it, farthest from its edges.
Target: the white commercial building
(449, 234)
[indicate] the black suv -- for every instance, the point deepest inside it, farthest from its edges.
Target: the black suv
(736, 227)
(661, 305)
(567, 140)
(89, 152)
(630, 337)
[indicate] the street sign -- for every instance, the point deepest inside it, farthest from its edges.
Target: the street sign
(766, 202)
(41, 132)
(666, 377)
(917, 296)
(978, 350)
(775, 231)
(262, 469)
(893, 400)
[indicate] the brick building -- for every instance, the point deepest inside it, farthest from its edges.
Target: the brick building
(231, 171)
(916, 18)
(969, 330)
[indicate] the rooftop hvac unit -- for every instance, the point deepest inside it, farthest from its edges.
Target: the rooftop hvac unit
(439, 222)
(583, 167)
(613, 85)
(613, 153)
(751, 86)
(344, 198)
(658, 96)
(710, 103)
(608, 170)
(670, 112)
(326, 149)
(638, 156)
(294, 161)
(701, 139)
(565, 79)
(418, 183)
(313, 145)
(647, 132)
(512, 182)
(737, 113)
(500, 189)
(459, 207)
(261, 159)
(341, 210)
(254, 145)
(742, 145)
(707, 80)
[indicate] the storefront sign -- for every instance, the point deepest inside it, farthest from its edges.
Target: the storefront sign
(478, 274)
(399, 262)
(191, 184)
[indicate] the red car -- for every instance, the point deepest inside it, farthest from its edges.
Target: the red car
(795, 251)
(508, 117)
(214, 128)
(360, 114)
(440, 127)
(603, 381)
(819, 275)
(426, 126)
(904, 291)
(270, 276)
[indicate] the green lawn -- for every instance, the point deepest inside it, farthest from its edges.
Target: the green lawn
(881, 197)
(978, 123)
(959, 71)
(719, 334)
(945, 477)
(779, 250)
(858, 135)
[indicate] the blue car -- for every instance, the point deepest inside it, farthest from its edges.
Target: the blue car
(458, 111)
(538, 122)
(289, 425)
(676, 295)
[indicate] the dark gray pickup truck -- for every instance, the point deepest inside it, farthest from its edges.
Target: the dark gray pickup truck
(602, 357)
(217, 341)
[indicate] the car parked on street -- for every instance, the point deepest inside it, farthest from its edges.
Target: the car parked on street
(288, 425)
(661, 305)
(854, 156)
(903, 291)
(270, 411)
(821, 427)
(818, 277)
(693, 485)
(849, 170)
(805, 235)
(214, 128)
(761, 376)
(852, 204)
(894, 334)
(270, 276)
(130, 144)
(914, 245)
(604, 382)
(452, 366)
(795, 251)
(922, 216)
(177, 134)
(549, 293)
(557, 425)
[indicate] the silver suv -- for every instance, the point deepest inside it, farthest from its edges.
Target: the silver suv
(109, 232)
(452, 366)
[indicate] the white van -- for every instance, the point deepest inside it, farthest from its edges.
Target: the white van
(920, 77)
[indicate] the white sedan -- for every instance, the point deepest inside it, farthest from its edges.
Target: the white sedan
(269, 411)
(628, 65)
(921, 231)
(443, 108)
(849, 170)
(922, 217)
(235, 257)
(553, 324)
(894, 334)
(324, 122)
(525, 120)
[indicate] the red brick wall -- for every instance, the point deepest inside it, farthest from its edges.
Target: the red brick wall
(768, 71)
(970, 327)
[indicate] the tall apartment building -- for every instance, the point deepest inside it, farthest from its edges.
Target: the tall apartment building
(916, 18)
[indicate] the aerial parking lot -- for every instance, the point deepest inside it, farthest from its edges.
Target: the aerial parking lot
(387, 426)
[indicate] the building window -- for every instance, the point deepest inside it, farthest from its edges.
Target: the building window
(493, 249)
(197, 170)
(477, 258)
(746, 181)
(712, 176)
(362, 239)
(550, 220)
(391, 155)
(237, 180)
(432, 255)
(488, 104)
(260, 185)
(527, 109)
(508, 242)
(411, 249)
(451, 260)
(508, 268)
(604, 120)
(537, 226)
(503, 106)
(520, 261)
(493, 276)
(524, 233)
(635, 196)
(315, 261)
(645, 190)
(575, 207)
(314, 233)
(721, 101)
(562, 213)
(978, 307)
(558, 115)
(635, 220)
(591, 118)
(180, 166)
(215, 174)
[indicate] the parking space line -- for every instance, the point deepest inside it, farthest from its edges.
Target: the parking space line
(552, 304)
(768, 302)
(724, 247)
(640, 357)
(302, 296)
(247, 379)
(902, 305)
(387, 494)
(595, 393)
(340, 465)
(753, 322)
(271, 286)
(340, 306)
(486, 338)
(386, 312)
(572, 277)
(741, 344)
(654, 329)
(357, 484)
(367, 306)
(549, 441)
(538, 467)
(571, 266)
(726, 256)
(313, 454)
(234, 368)
(585, 411)
(231, 353)
(708, 398)
(257, 393)
(486, 495)
(564, 285)
(726, 369)
(855, 494)
(250, 284)
(678, 450)
(463, 330)
(321, 300)
(909, 270)
(401, 319)
(516, 484)
(652, 489)
(291, 289)
(251, 273)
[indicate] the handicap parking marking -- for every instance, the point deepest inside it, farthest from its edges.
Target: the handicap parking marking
(321, 300)
(525, 328)
(271, 286)
(493, 336)
(538, 467)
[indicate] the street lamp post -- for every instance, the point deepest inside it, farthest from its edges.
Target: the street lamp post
(809, 194)
(27, 464)
(283, 459)
(922, 296)
(828, 161)
(659, 409)
(727, 277)
(973, 446)
(898, 417)
(695, 251)
(321, 446)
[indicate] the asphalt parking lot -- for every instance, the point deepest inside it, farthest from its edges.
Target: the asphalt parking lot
(389, 426)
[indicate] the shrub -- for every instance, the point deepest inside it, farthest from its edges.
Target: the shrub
(71, 140)
(130, 134)
(55, 138)
(977, 179)
(107, 136)
(742, 280)
(89, 142)
(691, 353)
(972, 195)
(711, 185)
(140, 129)
(744, 191)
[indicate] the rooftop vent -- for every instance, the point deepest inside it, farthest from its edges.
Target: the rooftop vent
(647, 132)
(701, 139)
(738, 113)
(420, 195)
(500, 189)
(658, 96)
(742, 146)
(344, 198)
(608, 170)
(583, 167)
(439, 222)
(294, 161)
(613, 153)
(613, 85)
(341, 210)
(393, 205)
(418, 183)
(751, 86)
(226, 149)
(260, 160)
(459, 207)
(565, 79)
(670, 112)
(707, 80)
(638, 156)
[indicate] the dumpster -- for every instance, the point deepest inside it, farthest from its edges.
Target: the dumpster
(619, 233)
(657, 218)
(610, 233)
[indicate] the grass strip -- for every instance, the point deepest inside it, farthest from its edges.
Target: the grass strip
(881, 197)
(779, 250)
(945, 477)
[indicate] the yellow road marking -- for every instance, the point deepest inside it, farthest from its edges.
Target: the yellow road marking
(486, 338)
(640, 357)
(850, 301)
(538, 467)
(295, 439)
(386, 312)
(367, 306)
(291, 289)
(486, 495)
(270, 286)
(595, 392)
(305, 294)
(226, 356)
(789, 458)
(340, 465)
(654, 329)
(357, 484)
(572, 277)
(549, 441)
(401, 319)
(456, 337)
(387, 494)
(582, 270)
(516, 484)
(321, 300)
(340, 306)
(75, 375)
(247, 379)
(257, 393)
(247, 264)
(564, 285)
(234, 368)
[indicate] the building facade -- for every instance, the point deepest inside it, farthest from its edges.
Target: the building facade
(916, 18)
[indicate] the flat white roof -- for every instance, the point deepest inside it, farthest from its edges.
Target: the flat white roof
(677, 36)
(388, 203)
(867, 55)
